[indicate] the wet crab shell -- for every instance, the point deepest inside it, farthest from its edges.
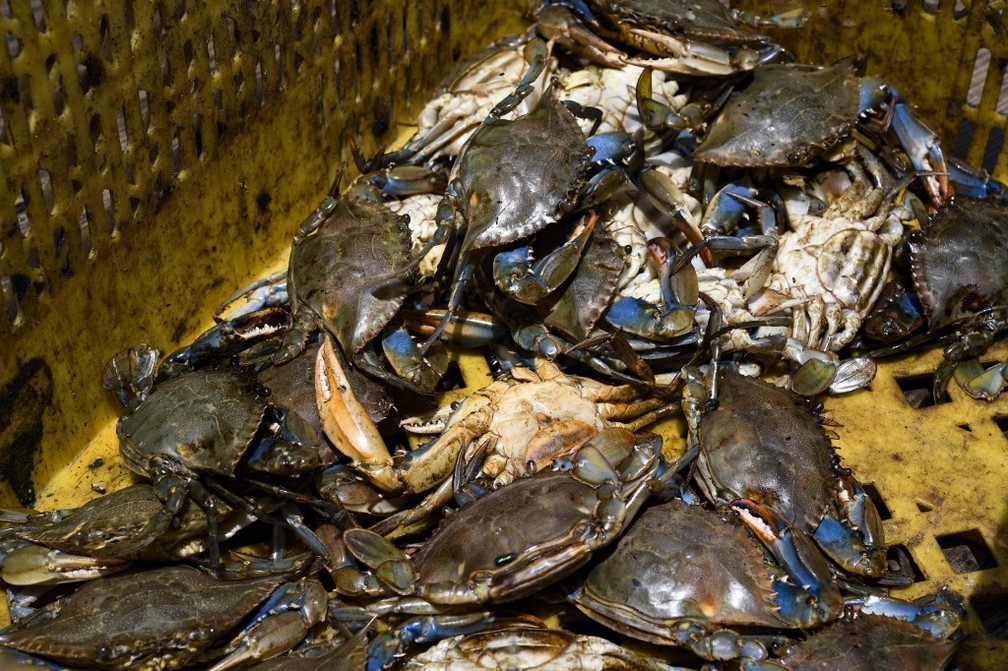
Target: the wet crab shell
(959, 260)
(156, 619)
(679, 563)
(517, 176)
(206, 419)
(704, 19)
(332, 271)
(786, 115)
(765, 443)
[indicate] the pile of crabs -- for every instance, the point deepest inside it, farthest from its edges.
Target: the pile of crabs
(635, 210)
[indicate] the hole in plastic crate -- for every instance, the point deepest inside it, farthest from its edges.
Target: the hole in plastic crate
(1002, 423)
(13, 46)
(77, 41)
(176, 151)
(103, 34)
(337, 79)
(156, 23)
(931, 6)
(33, 259)
(918, 390)
(899, 5)
(94, 128)
(964, 427)
(9, 299)
(121, 128)
(188, 53)
(899, 560)
(58, 97)
(87, 243)
(880, 505)
(445, 21)
(21, 210)
(144, 109)
(298, 62)
(211, 55)
(966, 551)
(4, 139)
(334, 17)
(992, 610)
(129, 16)
(976, 87)
(45, 182)
(180, 9)
(923, 506)
(260, 88)
(992, 152)
(166, 73)
(354, 13)
(231, 26)
(959, 10)
(1002, 101)
(5, 10)
(110, 221)
(24, 91)
(197, 124)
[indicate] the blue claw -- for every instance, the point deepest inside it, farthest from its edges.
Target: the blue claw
(809, 594)
(385, 649)
(937, 615)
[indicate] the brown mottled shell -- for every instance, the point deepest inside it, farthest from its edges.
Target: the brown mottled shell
(332, 271)
(869, 643)
(680, 563)
(786, 116)
(155, 619)
(519, 175)
(206, 419)
(704, 19)
(590, 291)
(959, 260)
(764, 443)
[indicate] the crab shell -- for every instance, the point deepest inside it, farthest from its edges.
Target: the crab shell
(680, 564)
(959, 260)
(531, 649)
(332, 270)
(703, 19)
(514, 177)
(156, 619)
(870, 643)
(539, 529)
(767, 444)
(786, 116)
(206, 419)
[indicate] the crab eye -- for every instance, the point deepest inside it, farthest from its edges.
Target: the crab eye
(505, 559)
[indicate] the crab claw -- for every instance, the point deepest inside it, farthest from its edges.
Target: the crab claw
(560, 25)
(918, 141)
(810, 595)
(516, 276)
(346, 422)
(279, 625)
(668, 198)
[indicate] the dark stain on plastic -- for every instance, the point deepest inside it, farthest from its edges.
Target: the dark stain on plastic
(180, 330)
(23, 402)
(263, 201)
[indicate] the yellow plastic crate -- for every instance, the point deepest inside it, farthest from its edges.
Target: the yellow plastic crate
(154, 156)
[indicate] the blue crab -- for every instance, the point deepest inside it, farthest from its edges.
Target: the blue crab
(792, 114)
(958, 294)
(696, 37)
(164, 618)
(754, 440)
(683, 575)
